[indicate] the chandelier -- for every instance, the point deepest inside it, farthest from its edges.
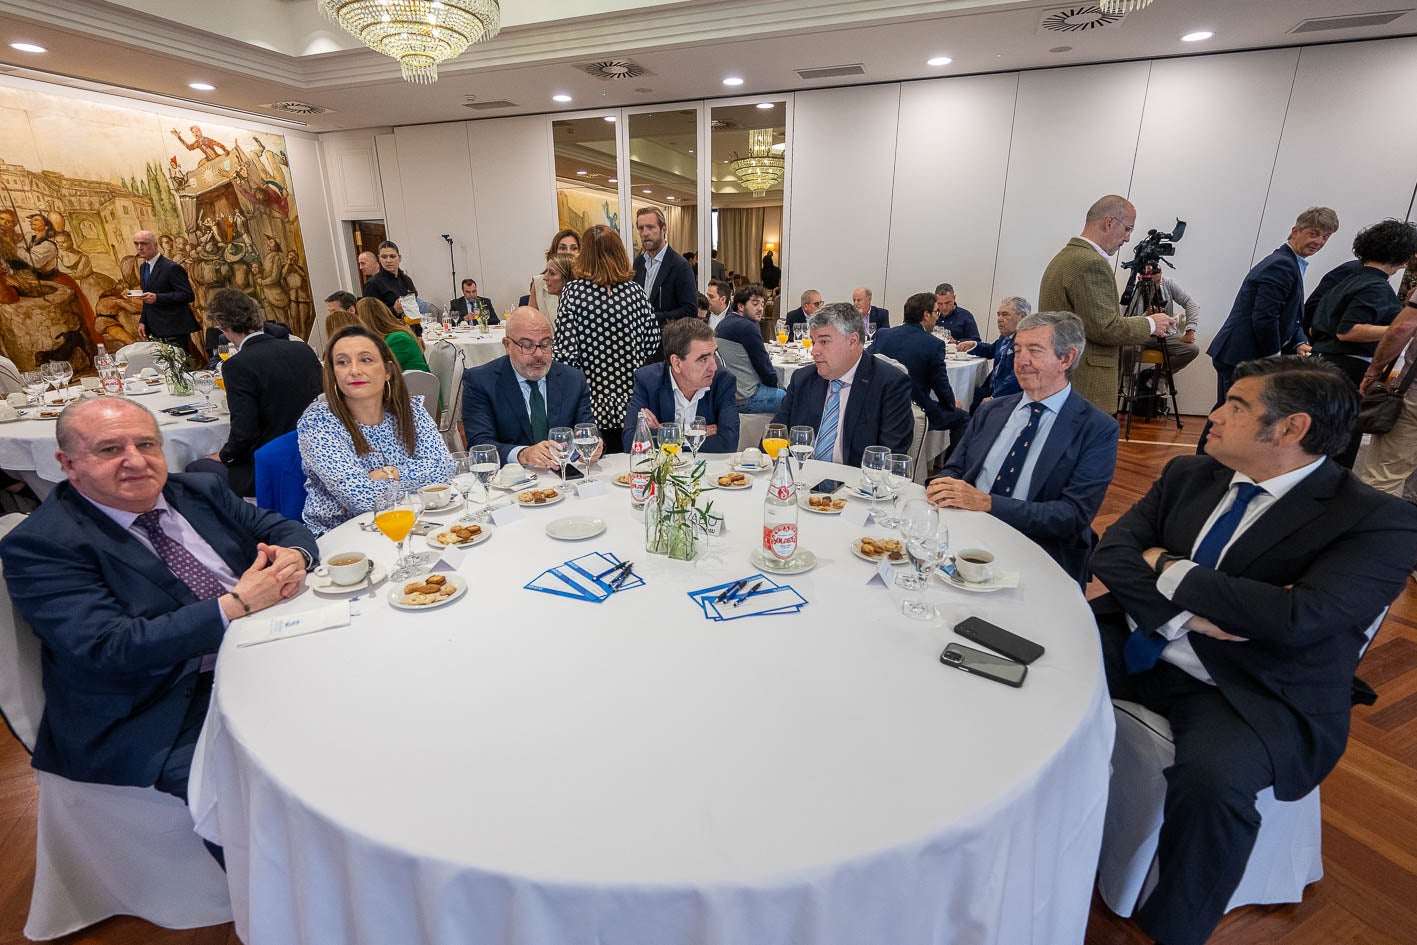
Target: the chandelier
(418, 33)
(763, 168)
(1122, 6)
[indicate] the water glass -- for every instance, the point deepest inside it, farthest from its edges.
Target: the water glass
(483, 461)
(901, 467)
(561, 440)
(695, 433)
(587, 439)
(204, 381)
(800, 441)
(35, 386)
(875, 466)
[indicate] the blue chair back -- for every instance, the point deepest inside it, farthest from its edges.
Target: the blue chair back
(280, 480)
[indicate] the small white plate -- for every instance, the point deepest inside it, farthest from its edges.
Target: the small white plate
(802, 504)
(560, 496)
(801, 562)
(321, 583)
(522, 486)
(963, 585)
(135, 392)
(38, 415)
(575, 527)
(856, 550)
(746, 485)
(454, 505)
(396, 594)
(478, 539)
(622, 484)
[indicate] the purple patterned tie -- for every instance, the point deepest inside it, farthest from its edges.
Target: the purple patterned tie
(182, 562)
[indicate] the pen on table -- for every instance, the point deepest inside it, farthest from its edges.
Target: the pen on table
(730, 590)
(749, 593)
(608, 571)
(629, 570)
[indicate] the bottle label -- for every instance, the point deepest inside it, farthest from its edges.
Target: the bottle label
(641, 487)
(786, 492)
(780, 540)
(111, 384)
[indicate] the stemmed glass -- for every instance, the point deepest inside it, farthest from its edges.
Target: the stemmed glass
(775, 440)
(483, 462)
(586, 436)
(671, 440)
(562, 439)
(63, 371)
(463, 481)
(800, 443)
(35, 386)
(120, 361)
(897, 476)
(396, 510)
(875, 466)
(695, 434)
(50, 372)
(927, 543)
(205, 381)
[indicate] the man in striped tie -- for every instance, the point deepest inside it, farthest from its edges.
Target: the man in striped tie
(1242, 586)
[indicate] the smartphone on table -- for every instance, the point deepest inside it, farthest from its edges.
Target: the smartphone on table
(979, 663)
(1017, 648)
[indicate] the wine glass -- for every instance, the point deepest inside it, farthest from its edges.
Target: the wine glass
(875, 466)
(204, 381)
(586, 436)
(927, 543)
(775, 440)
(901, 467)
(63, 371)
(50, 374)
(483, 462)
(225, 350)
(396, 510)
(561, 439)
(800, 442)
(695, 434)
(463, 481)
(35, 386)
(120, 361)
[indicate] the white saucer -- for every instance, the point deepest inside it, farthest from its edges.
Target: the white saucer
(802, 504)
(321, 583)
(801, 562)
(575, 527)
(746, 485)
(963, 585)
(856, 550)
(739, 467)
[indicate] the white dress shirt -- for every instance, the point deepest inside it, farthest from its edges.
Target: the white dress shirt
(685, 408)
(652, 267)
(994, 460)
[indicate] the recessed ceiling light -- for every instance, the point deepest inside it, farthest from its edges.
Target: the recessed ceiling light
(582, 173)
(671, 197)
(765, 105)
(560, 97)
(28, 47)
(646, 191)
(613, 180)
(939, 61)
(609, 117)
(691, 150)
(733, 80)
(1197, 36)
(201, 86)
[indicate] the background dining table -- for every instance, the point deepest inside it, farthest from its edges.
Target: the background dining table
(965, 372)
(530, 769)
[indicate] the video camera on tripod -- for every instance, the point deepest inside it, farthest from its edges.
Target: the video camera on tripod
(1149, 255)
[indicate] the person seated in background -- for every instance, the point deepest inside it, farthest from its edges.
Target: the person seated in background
(923, 356)
(129, 577)
(685, 385)
(366, 431)
(340, 301)
(703, 307)
(959, 322)
(376, 318)
(470, 305)
(1241, 588)
(851, 400)
(269, 383)
(811, 301)
(515, 400)
(861, 301)
(1000, 381)
(1180, 339)
(740, 345)
(1039, 460)
(720, 302)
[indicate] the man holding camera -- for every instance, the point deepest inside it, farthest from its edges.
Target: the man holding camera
(1158, 295)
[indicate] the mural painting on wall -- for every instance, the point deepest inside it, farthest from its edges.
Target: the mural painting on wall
(581, 208)
(78, 179)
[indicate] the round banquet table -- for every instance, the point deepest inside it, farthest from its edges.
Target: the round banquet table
(528, 769)
(27, 446)
(474, 347)
(965, 372)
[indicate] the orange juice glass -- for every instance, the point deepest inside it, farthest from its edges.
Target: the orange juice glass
(781, 337)
(395, 523)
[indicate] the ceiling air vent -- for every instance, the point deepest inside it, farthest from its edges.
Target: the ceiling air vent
(298, 108)
(482, 106)
(612, 69)
(830, 72)
(1077, 18)
(1350, 21)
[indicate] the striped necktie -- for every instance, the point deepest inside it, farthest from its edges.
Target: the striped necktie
(826, 437)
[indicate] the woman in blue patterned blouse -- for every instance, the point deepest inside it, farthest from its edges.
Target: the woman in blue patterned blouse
(367, 430)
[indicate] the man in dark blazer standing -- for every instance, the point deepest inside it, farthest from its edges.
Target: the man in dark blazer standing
(1242, 585)
(129, 578)
(470, 305)
(923, 356)
(665, 276)
(167, 295)
(1064, 447)
(861, 301)
(514, 401)
(851, 400)
(687, 384)
(269, 383)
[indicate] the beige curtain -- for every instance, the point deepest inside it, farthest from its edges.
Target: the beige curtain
(740, 240)
(683, 223)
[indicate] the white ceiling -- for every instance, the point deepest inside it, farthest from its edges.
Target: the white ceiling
(260, 51)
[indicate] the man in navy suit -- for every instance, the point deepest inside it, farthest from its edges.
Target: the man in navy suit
(167, 295)
(665, 276)
(1040, 460)
(851, 400)
(687, 384)
(516, 400)
(924, 358)
(861, 301)
(1000, 381)
(471, 305)
(129, 578)
(1266, 318)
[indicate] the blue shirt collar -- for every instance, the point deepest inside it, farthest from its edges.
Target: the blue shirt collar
(1054, 403)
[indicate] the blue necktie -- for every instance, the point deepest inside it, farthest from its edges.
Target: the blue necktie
(1007, 479)
(826, 438)
(1143, 647)
(143, 278)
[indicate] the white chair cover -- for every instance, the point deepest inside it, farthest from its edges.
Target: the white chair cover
(21, 696)
(447, 362)
(751, 427)
(139, 355)
(10, 381)
(425, 383)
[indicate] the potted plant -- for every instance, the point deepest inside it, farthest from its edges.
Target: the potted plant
(176, 369)
(673, 518)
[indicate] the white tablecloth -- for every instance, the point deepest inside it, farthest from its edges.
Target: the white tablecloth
(521, 768)
(476, 348)
(965, 373)
(28, 446)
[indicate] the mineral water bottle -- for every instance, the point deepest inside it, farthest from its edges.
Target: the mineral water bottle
(642, 456)
(780, 514)
(108, 377)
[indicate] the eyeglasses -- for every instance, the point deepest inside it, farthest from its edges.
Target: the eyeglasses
(529, 346)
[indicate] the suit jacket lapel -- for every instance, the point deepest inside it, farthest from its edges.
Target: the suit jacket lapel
(1291, 513)
(124, 549)
(855, 403)
(1191, 515)
(509, 390)
(1061, 438)
(988, 433)
(664, 410)
(216, 532)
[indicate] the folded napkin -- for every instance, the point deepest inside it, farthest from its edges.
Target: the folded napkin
(17, 400)
(8, 412)
(269, 629)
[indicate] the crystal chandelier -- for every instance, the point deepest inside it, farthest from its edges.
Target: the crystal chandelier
(418, 33)
(763, 168)
(1122, 6)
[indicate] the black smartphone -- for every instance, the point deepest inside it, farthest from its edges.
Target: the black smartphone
(180, 411)
(984, 664)
(1015, 647)
(827, 486)
(573, 473)
(203, 419)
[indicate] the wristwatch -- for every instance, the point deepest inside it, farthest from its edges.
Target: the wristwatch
(1163, 560)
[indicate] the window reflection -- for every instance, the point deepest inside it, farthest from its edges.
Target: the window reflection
(587, 191)
(749, 157)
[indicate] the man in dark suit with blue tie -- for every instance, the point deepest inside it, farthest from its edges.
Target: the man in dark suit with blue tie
(923, 356)
(1241, 589)
(129, 578)
(665, 276)
(852, 400)
(167, 295)
(1040, 460)
(470, 305)
(876, 317)
(516, 400)
(687, 384)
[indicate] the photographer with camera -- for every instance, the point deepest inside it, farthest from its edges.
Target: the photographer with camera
(1147, 293)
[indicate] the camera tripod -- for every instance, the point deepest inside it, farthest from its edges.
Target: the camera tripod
(1133, 360)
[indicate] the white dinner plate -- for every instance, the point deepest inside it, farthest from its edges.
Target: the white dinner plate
(322, 584)
(396, 594)
(560, 496)
(801, 562)
(134, 392)
(623, 480)
(856, 550)
(958, 582)
(437, 545)
(575, 527)
(739, 467)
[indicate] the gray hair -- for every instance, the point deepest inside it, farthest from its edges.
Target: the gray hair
(64, 427)
(839, 315)
(807, 296)
(1018, 303)
(1068, 334)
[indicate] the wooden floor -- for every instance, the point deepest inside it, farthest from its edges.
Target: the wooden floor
(1368, 895)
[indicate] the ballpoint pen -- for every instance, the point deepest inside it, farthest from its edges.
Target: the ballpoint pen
(749, 593)
(608, 571)
(730, 590)
(629, 570)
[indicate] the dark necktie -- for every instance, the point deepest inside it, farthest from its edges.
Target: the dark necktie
(539, 427)
(1007, 479)
(1143, 647)
(143, 278)
(197, 576)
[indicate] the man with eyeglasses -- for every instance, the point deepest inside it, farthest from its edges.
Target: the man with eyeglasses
(514, 401)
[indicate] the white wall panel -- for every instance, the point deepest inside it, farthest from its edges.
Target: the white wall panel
(952, 154)
(436, 195)
(352, 172)
(1074, 140)
(316, 222)
(1208, 140)
(843, 165)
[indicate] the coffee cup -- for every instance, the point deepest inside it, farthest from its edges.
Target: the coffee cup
(437, 495)
(346, 568)
(752, 457)
(975, 565)
(510, 473)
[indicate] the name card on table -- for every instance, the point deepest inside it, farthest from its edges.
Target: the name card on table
(884, 576)
(590, 489)
(506, 515)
